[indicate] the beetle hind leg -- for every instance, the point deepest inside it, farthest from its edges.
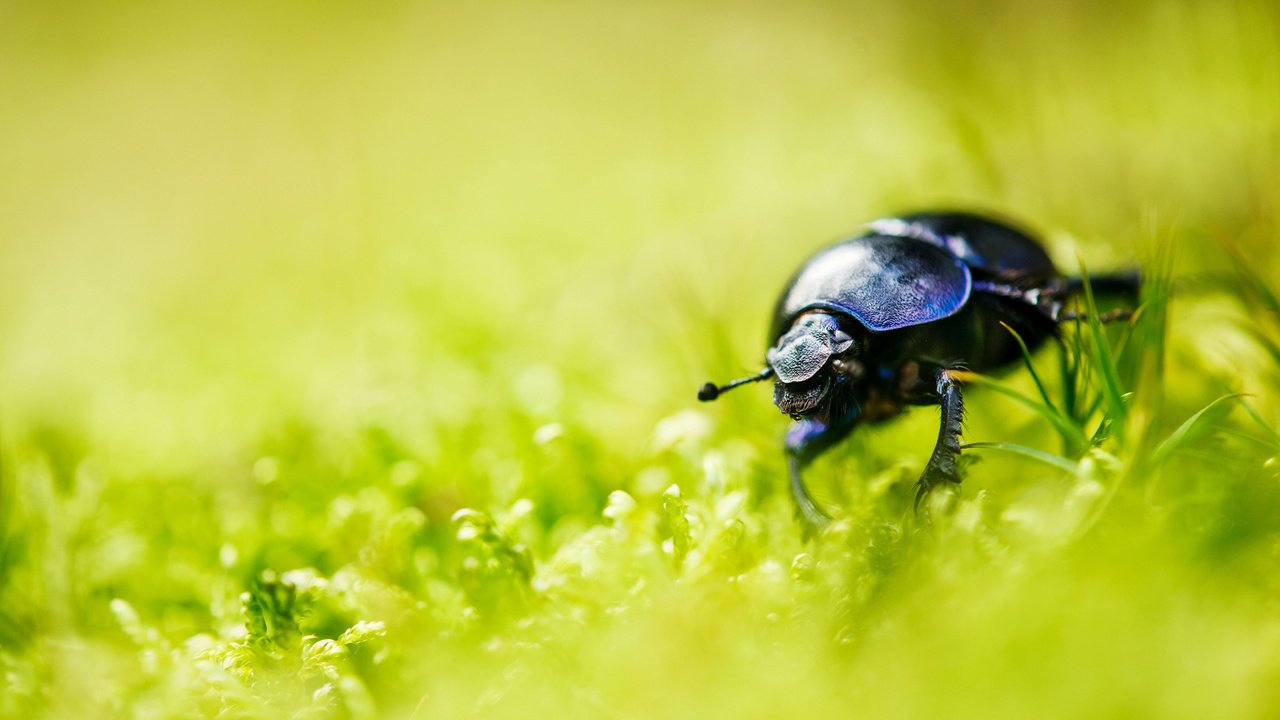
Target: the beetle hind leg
(1125, 286)
(943, 467)
(1118, 315)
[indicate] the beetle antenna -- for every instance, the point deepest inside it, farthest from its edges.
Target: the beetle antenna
(711, 391)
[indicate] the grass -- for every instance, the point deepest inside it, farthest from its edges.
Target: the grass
(348, 359)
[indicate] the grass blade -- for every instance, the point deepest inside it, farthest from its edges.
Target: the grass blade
(1184, 433)
(1026, 360)
(1252, 413)
(1047, 458)
(1111, 388)
(1069, 430)
(1257, 292)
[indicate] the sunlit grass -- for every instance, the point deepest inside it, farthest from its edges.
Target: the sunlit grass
(348, 359)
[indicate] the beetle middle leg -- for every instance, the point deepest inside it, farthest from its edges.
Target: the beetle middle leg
(942, 467)
(805, 441)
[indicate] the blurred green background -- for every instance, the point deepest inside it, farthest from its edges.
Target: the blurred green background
(286, 285)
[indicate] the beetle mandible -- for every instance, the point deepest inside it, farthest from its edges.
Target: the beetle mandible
(884, 319)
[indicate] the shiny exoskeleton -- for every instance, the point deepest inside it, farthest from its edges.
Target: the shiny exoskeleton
(882, 320)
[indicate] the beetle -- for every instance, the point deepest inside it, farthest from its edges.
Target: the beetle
(886, 318)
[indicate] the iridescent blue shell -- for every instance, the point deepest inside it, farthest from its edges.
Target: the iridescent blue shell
(997, 251)
(886, 282)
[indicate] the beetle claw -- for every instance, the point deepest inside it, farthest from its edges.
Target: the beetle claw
(932, 477)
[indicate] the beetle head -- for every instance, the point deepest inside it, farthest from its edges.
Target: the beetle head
(808, 360)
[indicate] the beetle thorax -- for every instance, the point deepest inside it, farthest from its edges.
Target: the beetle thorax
(814, 355)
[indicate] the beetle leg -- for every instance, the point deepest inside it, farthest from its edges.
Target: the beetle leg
(946, 453)
(1104, 318)
(813, 517)
(1126, 285)
(1120, 283)
(1052, 298)
(805, 441)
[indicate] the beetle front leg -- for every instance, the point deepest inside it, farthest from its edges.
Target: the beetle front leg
(805, 441)
(807, 509)
(942, 467)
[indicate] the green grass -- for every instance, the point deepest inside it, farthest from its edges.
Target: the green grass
(348, 358)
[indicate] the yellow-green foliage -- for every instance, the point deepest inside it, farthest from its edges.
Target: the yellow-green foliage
(348, 355)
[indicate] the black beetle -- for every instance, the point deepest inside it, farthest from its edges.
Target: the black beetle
(882, 320)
